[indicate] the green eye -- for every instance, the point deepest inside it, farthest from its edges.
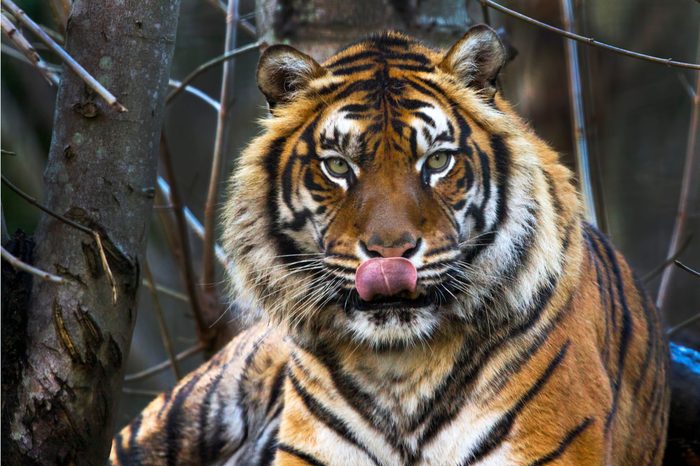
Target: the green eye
(438, 161)
(337, 166)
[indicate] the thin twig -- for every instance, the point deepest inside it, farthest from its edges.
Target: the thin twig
(51, 70)
(166, 291)
(242, 21)
(589, 40)
(660, 268)
(691, 155)
(36, 203)
(105, 266)
(164, 333)
(140, 392)
(683, 324)
(189, 276)
(22, 17)
(220, 148)
(206, 65)
(196, 225)
(197, 93)
(688, 269)
(4, 234)
(578, 118)
(161, 366)
(24, 46)
(18, 264)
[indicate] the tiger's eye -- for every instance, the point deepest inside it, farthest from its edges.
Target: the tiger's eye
(337, 166)
(438, 161)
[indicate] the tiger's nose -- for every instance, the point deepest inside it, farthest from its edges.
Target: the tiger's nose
(406, 247)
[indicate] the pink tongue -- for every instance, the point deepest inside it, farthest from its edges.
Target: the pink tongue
(386, 276)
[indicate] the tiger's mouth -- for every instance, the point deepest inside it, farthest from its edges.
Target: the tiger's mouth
(402, 301)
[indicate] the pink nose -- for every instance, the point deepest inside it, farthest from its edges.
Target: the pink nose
(386, 277)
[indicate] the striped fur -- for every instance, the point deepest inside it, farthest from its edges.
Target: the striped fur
(528, 342)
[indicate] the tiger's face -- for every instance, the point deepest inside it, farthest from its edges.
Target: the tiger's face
(370, 209)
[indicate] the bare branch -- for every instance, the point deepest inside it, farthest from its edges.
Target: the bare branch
(220, 146)
(161, 366)
(189, 277)
(206, 65)
(683, 324)
(660, 268)
(36, 203)
(25, 47)
(105, 266)
(166, 291)
(197, 93)
(140, 392)
(164, 333)
(691, 155)
(51, 70)
(687, 268)
(18, 264)
(578, 118)
(196, 225)
(242, 21)
(589, 40)
(94, 84)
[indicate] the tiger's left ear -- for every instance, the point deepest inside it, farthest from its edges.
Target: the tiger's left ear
(476, 59)
(283, 72)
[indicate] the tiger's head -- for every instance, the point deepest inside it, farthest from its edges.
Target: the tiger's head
(393, 195)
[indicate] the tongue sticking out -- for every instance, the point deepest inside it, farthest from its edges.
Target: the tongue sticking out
(386, 276)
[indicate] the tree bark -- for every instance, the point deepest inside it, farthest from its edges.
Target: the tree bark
(101, 173)
(320, 27)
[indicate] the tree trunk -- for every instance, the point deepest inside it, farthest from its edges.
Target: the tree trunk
(320, 27)
(101, 173)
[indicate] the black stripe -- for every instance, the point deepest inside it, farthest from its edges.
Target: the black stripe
(353, 69)
(407, 67)
(285, 246)
(172, 421)
(205, 449)
(300, 454)
(276, 388)
(122, 456)
(290, 450)
(426, 118)
(625, 332)
(651, 336)
(564, 444)
(352, 58)
(500, 431)
(134, 449)
(267, 454)
(329, 419)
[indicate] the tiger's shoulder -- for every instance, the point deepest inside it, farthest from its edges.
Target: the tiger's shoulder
(227, 409)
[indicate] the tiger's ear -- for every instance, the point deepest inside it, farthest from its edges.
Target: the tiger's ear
(283, 71)
(476, 59)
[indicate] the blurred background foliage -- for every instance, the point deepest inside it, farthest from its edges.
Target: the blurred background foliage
(637, 114)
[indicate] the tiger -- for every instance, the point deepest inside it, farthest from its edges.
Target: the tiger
(427, 290)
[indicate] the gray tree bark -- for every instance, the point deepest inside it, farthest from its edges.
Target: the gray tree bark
(101, 173)
(320, 27)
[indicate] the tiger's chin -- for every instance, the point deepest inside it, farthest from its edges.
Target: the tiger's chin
(391, 323)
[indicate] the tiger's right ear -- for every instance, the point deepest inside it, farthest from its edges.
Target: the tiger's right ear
(283, 71)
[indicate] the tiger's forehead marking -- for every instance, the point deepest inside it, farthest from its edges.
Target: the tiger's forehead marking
(412, 133)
